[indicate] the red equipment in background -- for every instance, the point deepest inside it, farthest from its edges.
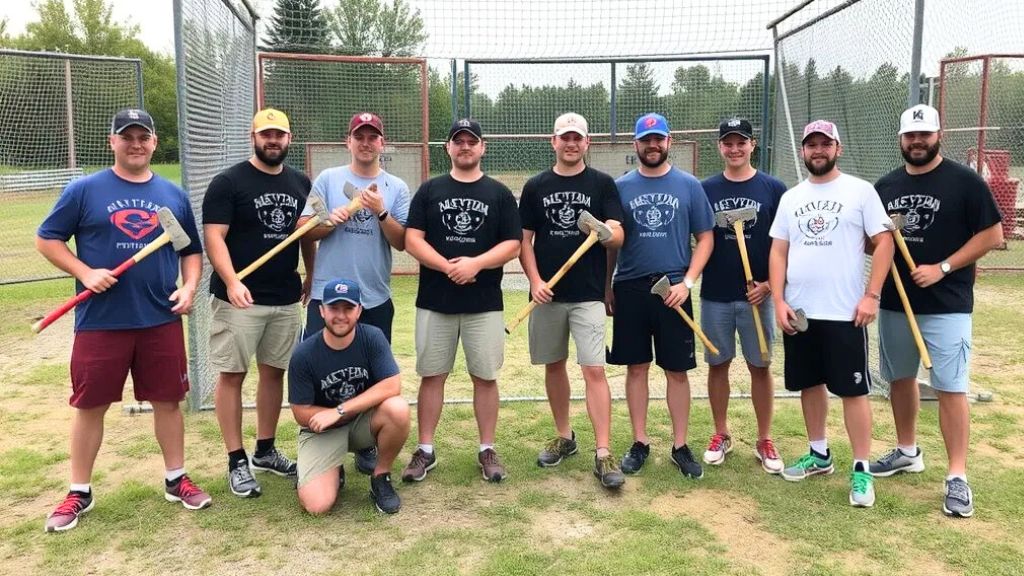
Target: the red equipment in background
(995, 169)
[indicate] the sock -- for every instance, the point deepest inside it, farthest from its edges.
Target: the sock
(264, 445)
(172, 476)
(948, 478)
(427, 448)
(820, 447)
(603, 452)
(908, 451)
(860, 465)
(83, 488)
(237, 458)
(486, 447)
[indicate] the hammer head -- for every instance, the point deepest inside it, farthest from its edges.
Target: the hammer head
(179, 239)
(319, 210)
(588, 223)
(661, 287)
(899, 221)
(726, 218)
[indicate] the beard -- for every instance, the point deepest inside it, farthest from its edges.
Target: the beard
(825, 169)
(338, 332)
(930, 153)
(271, 157)
(662, 157)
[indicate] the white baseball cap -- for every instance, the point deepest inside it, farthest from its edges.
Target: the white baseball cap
(920, 118)
(571, 122)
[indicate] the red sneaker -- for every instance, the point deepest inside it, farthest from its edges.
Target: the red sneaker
(65, 516)
(769, 457)
(184, 490)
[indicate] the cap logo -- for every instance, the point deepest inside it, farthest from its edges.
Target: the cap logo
(341, 288)
(919, 114)
(734, 123)
(650, 121)
(365, 117)
(464, 123)
(271, 116)
(133, 114)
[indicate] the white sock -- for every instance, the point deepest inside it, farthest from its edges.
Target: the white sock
(960, 476)
(86, 488)
(427, 448)
(820, 446)
(863, 465)
(909, 451)
(172, 475)
(486, 447)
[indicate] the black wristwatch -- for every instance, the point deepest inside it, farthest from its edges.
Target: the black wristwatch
(383, 215)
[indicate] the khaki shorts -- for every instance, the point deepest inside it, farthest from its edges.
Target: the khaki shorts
(269, 332)
(319, 453)
(551, 324)
(437, 339)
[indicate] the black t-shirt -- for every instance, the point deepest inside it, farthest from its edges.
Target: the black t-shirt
(261, 210)
(463, 219)
(550, 206)
(943, 208)
(319, 375)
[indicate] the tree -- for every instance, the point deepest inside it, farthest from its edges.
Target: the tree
(637, 94)
(376, 28)
(299, 26)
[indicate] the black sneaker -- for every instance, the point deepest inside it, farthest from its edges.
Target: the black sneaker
(366, 460)
(634, 460)
(241, 481)
(383, 494)
(555, 450)
(341, 477)
(683, 459)
(274, 462)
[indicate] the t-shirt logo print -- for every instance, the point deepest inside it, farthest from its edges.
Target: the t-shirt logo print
(818, 219)
(919, 211)
(276, 211)
(463, 215)
(343, 384)
(563, 208)
(137, 224)
(654, 211)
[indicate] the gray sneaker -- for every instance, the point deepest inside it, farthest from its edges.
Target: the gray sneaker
(556, 449)
(275, 463)
(241, 481)
(959, 500)
(896, 461)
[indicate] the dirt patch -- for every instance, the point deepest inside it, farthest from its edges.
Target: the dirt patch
(21, 353)
(561, 527)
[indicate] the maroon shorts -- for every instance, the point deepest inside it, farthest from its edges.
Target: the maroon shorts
(101, 359)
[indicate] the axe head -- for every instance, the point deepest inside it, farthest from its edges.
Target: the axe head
(319, 210)
(661, 287)
(351, 192)
(588, 223)
(897, 223)
(801, 320)
(179, 239)
(726, 218)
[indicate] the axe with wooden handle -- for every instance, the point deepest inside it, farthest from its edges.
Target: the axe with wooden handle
(897, 224)
(319, 217)
(733, 220)
(661, 288)
(352, 193)
(898, 221)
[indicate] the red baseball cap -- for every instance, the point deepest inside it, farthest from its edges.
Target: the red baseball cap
(365, 119)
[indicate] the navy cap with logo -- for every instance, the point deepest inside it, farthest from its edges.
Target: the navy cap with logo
(735, 126)
(466, 125)
(131, 117)
(341, 290)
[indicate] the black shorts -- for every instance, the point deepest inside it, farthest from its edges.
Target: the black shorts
(830, 352)
(379, 316)
(639, 315)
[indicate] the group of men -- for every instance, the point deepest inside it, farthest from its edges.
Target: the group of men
(805, 248)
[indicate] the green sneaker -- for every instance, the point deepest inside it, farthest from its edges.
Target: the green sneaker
(809, 464)
(862, 489)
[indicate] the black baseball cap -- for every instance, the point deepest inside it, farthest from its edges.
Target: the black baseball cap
(466, 125)
(131, 117)
(736, 126)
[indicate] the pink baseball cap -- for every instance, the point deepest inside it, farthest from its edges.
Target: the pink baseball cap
(822, 127)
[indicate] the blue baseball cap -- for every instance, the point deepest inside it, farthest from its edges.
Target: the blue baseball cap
(650, 124)
(341, 290)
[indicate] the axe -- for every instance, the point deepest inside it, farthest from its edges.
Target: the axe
(661, 288)
(898, 222)
(173, 233)
(352, 193)
(734, 219)
(320, 216)
(596, 231)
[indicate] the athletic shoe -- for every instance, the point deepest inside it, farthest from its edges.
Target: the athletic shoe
(633, 460)
(491, 466)
(341, 477)
(607, 471)
(241, 481)
(65, 516)
(556, 449)
(896, 461)
(720, 445)
(683, 459)
(184, 490)
(366, 460)
(418, 467)
(809, 464)
(959, 500)
(383, 494)
(766, 454)
(862, 489)
(276, 463)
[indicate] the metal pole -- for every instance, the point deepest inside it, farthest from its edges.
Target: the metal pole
(70, 107)
(780, 76)
(139, 84)
(613, 110)
(465, 83)
(762, 159)
(914, 97)
(455, 91)
(983, 114)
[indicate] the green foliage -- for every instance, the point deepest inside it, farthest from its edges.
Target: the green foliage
(299, 26)
(376, 28)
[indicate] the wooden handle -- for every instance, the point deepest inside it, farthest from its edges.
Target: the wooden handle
(309, 225)
(902, 244)
(696, 330)
(520, 316)
(914, 328)
(354, 206)
(741, 241)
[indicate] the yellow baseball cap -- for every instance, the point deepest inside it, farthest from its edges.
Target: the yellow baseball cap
(270, 119)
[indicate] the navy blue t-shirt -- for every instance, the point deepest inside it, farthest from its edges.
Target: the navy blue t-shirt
(724, 280)
(111, 219)
(319, 375)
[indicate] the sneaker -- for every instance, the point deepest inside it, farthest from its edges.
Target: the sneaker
(276, 463)
(241, 481)
(896, 461)
(65, 516)
(383, 494)
(366, 460)
(557, 449)
(809, 464)
(683, 459)
(491, 466)
(862, 489)
(959, 500)
(766, 454)
(418, 467)
(341, 477)
(633, 460)
(184, 490)
(607, 471)
(720, 445)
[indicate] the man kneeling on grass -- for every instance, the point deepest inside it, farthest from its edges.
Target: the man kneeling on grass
(344, 386)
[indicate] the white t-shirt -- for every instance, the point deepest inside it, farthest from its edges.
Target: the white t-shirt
(826, 226)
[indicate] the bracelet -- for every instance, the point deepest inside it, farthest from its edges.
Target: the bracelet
(874, 295)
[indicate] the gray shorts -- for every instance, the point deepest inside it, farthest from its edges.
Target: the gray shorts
(437, 339)
(269, 332)
(318, 453)
(551, 324)
(947, 338)
(722, 320)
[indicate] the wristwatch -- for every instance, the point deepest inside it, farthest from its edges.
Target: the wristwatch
(946, 267)
(688, 283)
(383, 215)
(341, 411)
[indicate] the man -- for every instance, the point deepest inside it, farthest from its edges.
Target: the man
(133, 322)
(664, 207)
(550, 208)
(248, 209)
(463, 227)
(726, 300)
(951, 221)
(344, 389)
(817, 265)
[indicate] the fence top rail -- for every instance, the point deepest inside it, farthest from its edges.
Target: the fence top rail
(695, 57)
(977, 57)
(63, 56)
(339, 58)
